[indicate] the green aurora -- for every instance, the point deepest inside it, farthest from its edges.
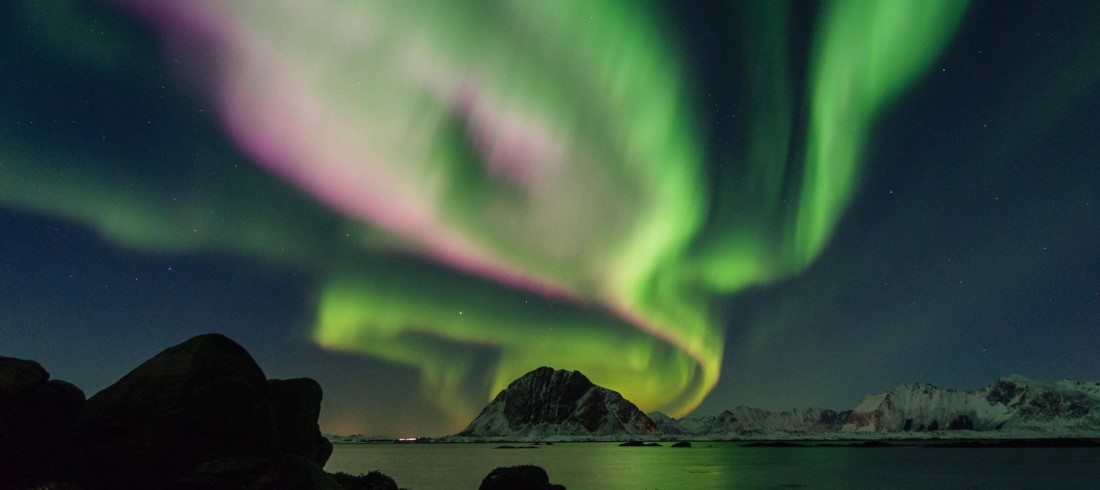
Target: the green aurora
(482, 188)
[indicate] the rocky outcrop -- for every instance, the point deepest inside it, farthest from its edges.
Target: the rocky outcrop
(374, 480)
(199, 415)
(546, 402)
(200, 401)
(525, 477)
(297, 404)
(37, 416)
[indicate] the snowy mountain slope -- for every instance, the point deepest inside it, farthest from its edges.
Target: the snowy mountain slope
(667, 425)
(1013, 404)
(923, 407)
(743, 420)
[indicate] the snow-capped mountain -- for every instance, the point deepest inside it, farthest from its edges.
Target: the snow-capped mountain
(744, 420)
(1011, 405)
(668, 425)
(1013, 402)
(547, 402)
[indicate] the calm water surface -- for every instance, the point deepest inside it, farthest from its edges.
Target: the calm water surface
(581, 466)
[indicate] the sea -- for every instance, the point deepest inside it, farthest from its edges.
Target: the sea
(727, 465)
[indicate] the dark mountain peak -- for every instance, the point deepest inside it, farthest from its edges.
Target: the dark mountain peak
(547, 376)
(548, 401)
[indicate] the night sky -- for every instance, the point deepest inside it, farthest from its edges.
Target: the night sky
(700, 204)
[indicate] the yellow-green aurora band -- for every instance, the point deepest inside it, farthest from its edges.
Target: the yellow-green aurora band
(493, 186)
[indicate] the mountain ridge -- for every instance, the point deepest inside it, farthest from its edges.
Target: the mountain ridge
(1012, 404)
(565, 405)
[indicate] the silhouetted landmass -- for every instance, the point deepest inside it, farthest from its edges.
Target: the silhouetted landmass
(37, 417)
(861, 444)
(374, 480)
(199, 415)
(872, 444)
(201, 401)
(639, 444)
(1059, 442)
(682, 444)
(773, 444)
(525, 477)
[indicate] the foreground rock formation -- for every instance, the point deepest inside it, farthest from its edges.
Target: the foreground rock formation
(545, 402)
(37, 417)
(198, 415)
(199, 402)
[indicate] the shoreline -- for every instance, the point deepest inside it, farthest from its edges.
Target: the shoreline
(1008, 442)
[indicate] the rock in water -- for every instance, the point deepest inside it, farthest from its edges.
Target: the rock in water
(374, 480)
(546, 402)
(200, 401)
(525, 477)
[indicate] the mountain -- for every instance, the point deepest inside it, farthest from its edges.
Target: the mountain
(1011, 405)
(668, 425)
(547, 402)
(746, 420)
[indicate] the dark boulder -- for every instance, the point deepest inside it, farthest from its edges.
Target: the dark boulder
(374, 480)
(633, 443)
(525, 477)
(19, 376)
(682, 444)
(37, 416)
(200, 401)
(199, 415)
(297, 405)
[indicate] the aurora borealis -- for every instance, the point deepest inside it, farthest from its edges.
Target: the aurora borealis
(458, 192)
